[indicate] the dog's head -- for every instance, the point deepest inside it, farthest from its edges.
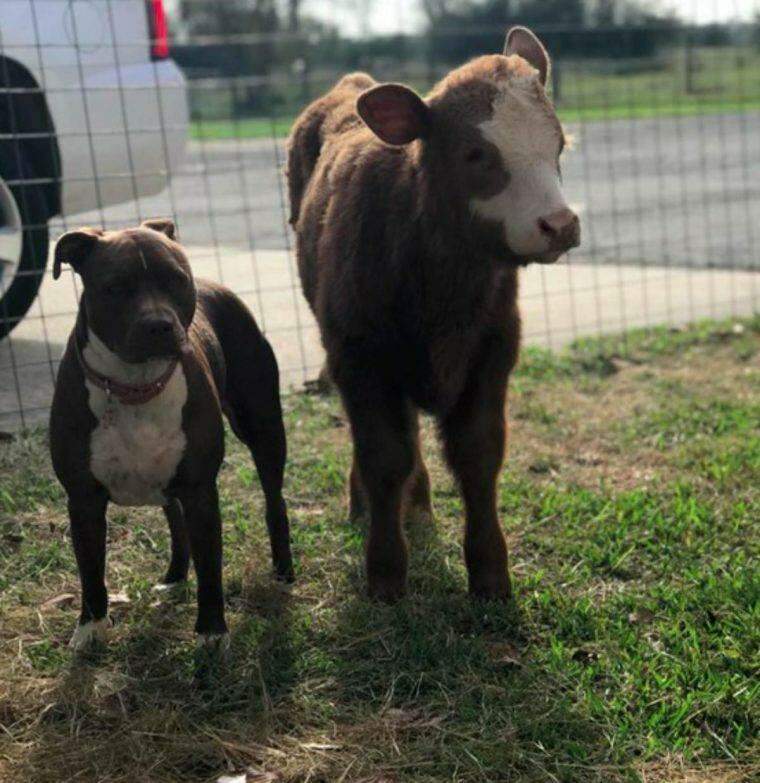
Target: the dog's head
(139, 295)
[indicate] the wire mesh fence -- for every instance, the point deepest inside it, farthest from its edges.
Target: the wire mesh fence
(103, 122)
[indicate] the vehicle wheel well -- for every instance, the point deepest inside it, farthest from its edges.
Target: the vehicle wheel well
(26, 127)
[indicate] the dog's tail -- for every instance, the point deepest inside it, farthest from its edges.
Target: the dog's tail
(249, 361)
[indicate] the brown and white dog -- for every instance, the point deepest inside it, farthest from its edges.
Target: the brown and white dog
(154, 360)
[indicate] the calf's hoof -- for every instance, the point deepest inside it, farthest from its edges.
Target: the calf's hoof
(388, 590)
(89, 634)
(491, 587)
(357, 518)
(420, 516)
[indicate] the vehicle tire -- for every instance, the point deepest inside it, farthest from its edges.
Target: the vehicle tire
(24, 238)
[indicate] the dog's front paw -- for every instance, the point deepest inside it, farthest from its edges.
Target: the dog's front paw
(284, 573)
(90, 633)
(214, 644)
(210, 657)
(172, 591)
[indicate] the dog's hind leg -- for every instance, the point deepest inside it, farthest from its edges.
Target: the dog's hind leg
(269, 452)
(180, 559)
(254, 410)
(204, 533)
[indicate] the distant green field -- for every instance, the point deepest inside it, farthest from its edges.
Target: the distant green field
(253, 128)
(721, 80)
(262, 128)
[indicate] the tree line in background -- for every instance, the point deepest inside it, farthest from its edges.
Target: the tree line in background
(454, 30)
(282, 33)
(568, 27)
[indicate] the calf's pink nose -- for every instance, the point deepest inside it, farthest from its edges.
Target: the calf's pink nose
(562, 229)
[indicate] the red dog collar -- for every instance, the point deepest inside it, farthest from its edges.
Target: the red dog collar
(125, 393)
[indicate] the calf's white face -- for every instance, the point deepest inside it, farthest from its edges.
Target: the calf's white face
(529, 140)
(490, 132)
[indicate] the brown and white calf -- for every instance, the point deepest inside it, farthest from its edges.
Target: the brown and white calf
(412, 218)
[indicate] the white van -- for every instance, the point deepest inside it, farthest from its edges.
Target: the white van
(93, 112)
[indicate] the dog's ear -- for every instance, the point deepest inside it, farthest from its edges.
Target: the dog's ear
(162, 225)
(74, 247)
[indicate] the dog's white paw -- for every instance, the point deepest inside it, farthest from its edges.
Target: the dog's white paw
(92, 632)
(213, 643)
(171, 592)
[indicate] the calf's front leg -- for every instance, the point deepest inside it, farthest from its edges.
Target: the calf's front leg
(419, 507)
(416, 505)
(474, 435)
(384, 455)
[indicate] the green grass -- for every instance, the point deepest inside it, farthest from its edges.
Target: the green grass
(684, 108)
(725, 80)
(632, 509)
(262, 128)
(252, 128)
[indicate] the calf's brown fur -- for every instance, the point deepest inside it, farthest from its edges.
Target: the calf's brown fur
(415, 294)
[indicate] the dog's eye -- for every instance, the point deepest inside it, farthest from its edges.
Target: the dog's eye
(174, 276)
(117, 289)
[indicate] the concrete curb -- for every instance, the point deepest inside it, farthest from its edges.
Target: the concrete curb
(559, 304)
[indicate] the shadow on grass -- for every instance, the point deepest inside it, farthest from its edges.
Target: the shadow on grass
(450, 682)
(436, 687)
(142, 709)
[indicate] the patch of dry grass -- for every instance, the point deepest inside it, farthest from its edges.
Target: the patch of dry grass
(631, 505)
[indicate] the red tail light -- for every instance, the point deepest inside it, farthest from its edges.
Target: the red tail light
(159, 29)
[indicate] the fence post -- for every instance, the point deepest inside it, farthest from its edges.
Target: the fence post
(306, 82)
(557, 81)
(690, 65)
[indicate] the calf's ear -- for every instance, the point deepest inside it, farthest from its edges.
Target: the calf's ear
(394, 113)
(162, 225)
(522, 41)
(74, 247)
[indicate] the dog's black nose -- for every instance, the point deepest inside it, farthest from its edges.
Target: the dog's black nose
(157, 326)
(154, 334)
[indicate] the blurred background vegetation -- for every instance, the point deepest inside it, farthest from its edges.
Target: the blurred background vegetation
(253, 64)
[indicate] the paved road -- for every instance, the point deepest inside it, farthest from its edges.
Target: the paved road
(658, 197)
(669, 191)
(558, 304)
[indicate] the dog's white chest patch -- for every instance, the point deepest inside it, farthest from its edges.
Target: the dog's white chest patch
(135, 449)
